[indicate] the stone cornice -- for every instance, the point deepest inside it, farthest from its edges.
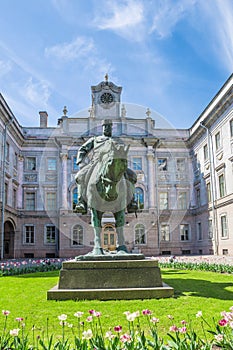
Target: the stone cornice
(106, 85)
(218, 109)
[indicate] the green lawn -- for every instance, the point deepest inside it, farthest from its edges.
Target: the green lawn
(25, 296)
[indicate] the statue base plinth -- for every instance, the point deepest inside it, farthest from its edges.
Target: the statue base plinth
(110, 280)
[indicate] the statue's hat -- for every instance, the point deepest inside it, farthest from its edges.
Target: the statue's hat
(107, 122)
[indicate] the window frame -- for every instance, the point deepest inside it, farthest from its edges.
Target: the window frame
(225, 236)
(139, 197)
(206, 152)
(137, 165)
(138, 235)
(27, 200)
(210, 229)
(183, 226)
(27, 162)
(78, 240)
(209, 191)
(160, 162)
(47, 164)
(199, 231)
(179, 201)
(15, 162)
(183, 167)
(231, 128)
(25, 234)
(48, 207)
(45, 234)
(218, 141)
(163, 207)
(221, 185)
(167, 232)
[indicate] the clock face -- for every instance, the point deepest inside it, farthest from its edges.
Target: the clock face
(106, 98)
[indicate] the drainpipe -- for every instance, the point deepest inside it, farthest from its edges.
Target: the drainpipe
(213, 187)
(3, 185)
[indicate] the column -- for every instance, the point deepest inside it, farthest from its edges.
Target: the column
(151, 176)
(64, 157)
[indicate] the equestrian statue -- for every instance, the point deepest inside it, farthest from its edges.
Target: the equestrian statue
(105, 184)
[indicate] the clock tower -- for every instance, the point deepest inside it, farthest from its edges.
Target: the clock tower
(106, 98)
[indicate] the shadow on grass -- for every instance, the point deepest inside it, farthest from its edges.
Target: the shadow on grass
(200, 288)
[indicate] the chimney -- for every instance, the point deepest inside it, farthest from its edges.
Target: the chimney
(43, 119)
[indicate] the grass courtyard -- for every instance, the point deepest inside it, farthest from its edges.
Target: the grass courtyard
(25, 296)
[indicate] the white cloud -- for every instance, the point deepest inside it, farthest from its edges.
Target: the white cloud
(124, 17)
(219, 16)
(127, 14)
(84, 50)
(70, 51)
(168, 14)
(37, 93)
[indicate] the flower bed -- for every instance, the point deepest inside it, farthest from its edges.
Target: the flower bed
(213, 264)
(18, 267)
(196, 264)
(88, 333)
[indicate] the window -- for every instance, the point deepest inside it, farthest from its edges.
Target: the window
(139, 197)
(74, 198)
(209, 195)
(199, 231)
(14, 198)
(217, 141)
(30, 201)
(30, 163)
(224, 230)
(163, 200)
(140, 235)
(50, 234)
(198, 197)
(231, 127)
(184, 232)
(29, 234)
(162, 164)
(7, 152)
(51, 201)
(225, 252)
(210, 229)
(182, 200)
(206, 152)
(15, 164)
(77, 236)
(6, 193)
(75, 166)
(51, 164)
(165, 232)
(186, 252)
(221, 182)
(180, 164)
(137, 163)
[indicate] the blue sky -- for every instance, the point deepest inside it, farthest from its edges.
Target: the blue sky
(171, 56)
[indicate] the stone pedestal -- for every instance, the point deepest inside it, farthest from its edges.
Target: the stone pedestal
(110, 280)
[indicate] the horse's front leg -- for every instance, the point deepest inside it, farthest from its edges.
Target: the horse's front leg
(96, 217)
(120, 221)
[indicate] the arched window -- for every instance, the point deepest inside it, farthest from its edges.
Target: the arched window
(139, 197)
(140, 234)
(77, 236)
(74, 197)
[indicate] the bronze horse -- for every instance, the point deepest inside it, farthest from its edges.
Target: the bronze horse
(107, 192)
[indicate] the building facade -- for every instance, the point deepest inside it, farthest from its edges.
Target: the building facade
(184, 183)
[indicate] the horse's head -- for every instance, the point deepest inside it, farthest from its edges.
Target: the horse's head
(114, 164)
